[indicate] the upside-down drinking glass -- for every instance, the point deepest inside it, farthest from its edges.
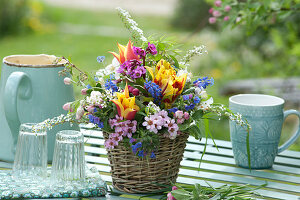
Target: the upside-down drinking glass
(31, 152)
(68, 160)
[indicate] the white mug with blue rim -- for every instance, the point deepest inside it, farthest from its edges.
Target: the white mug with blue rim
(265, 114)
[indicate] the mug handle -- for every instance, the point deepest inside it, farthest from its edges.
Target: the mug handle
(17, 85)
(296, 134)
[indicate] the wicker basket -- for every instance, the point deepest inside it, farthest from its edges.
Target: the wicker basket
(134, 175)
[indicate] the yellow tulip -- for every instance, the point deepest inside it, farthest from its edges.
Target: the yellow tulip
(171, 85)
(126, 105)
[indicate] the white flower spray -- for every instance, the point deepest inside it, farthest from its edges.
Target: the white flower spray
(50, 123)
(132, 26)
(191, 53)
(221, 110)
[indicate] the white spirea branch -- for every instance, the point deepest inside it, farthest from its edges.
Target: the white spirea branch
(222, 110)
(132, 26)
(48, 124)
(191, 53)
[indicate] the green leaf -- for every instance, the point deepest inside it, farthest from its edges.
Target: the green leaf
(140, 116)
(161, 46)
(248, 148)
(175, 61)
(195, 131)
(197, 115)
(196, 194)
(91, 79)
(106, 127)
(188, 91)
(181, 194)
(158, 57)
(139, 104)
(184, 126)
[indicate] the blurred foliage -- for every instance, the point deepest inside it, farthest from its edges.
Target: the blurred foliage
(257, 46)
(254, 14)
(19, 16)
(12, 14)
(190, 14)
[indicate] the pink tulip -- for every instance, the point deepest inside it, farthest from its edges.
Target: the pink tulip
(211, 10)
(67, 81)
(83, 91)
(218, 3)
(66, 106)
(227, 8)
(226, 18)
(212, 20)
(216, 13)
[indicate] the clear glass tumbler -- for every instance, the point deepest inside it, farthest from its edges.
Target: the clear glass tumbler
(68, 159)
(31, 152)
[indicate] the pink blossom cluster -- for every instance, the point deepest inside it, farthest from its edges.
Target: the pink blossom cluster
(216, 13)
(159, 120)
(122, 129)
(181, 116)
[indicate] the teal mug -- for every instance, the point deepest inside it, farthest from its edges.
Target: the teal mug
(266, 116)
(30, 92)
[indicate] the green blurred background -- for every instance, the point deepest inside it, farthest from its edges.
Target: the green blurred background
(83, 30)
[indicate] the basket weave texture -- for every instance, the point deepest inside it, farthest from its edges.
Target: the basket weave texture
(135, 175)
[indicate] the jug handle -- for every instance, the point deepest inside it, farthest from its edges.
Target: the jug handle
(18, 85)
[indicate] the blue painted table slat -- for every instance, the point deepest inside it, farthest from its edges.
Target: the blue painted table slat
(217, 168)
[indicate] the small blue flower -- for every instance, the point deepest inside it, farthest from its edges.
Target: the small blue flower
(96, 79)
(172, 110)
(100, 59)
(187, 107)
(100, 124)
(110, 85)
(134, 149)
(138, 144)
(204, 82)
(96, 120)
(190, 107)
(196, 100)
(141, 153)
(91, 118)
(185, 97)
(152, 155)
(89, 86)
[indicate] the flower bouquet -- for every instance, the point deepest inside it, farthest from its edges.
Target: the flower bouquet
(147, 104)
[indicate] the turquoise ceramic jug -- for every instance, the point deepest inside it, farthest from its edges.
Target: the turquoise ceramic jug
(30, 91)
